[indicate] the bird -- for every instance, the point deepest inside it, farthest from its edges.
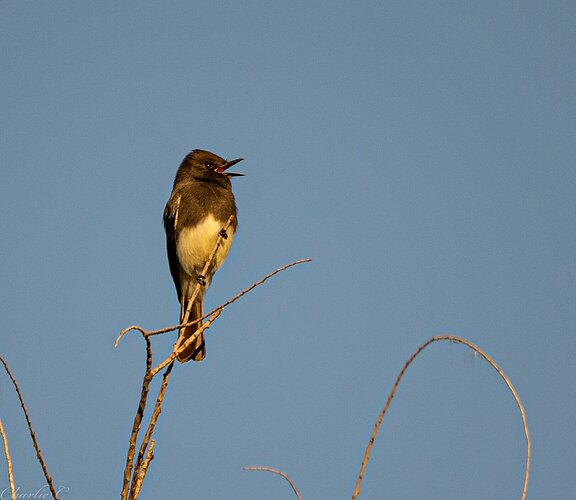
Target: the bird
(199, 206)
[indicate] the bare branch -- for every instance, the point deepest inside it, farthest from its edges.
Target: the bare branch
(145, 455)
(275, 471)
(138, 472)
(31, 430)
(8, 462)
(149, 333)
(492, 363)
(144, 469)
(137, 420)
(189, 341)
(134, 474)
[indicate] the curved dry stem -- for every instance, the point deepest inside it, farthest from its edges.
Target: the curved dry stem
(275, 471)
(31, 431)
(126, 330)
(492, 363)
(8, 462)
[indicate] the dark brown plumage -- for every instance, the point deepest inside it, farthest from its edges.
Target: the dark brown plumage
(200, 204)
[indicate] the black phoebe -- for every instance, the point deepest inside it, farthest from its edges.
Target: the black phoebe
(199, 206)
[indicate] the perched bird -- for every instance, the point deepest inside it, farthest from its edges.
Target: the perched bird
(199, 206)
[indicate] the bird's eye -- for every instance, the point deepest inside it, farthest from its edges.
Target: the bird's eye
(208, 164)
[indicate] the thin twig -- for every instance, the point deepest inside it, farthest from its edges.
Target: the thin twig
(258, 283)
(8, 462)
(149, 333)
(137, 420)
(492, 363)
(32, 433)
(275, 471)
(221, 235)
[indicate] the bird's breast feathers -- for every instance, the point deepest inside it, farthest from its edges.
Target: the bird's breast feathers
(195, 243)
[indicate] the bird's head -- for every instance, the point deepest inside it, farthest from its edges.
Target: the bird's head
(206, 163)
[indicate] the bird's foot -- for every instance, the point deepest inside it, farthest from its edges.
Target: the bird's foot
(224, 234)
(201, 279)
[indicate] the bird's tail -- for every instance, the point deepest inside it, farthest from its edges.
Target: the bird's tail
(196, 350)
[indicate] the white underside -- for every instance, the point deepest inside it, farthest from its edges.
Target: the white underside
(195, 244)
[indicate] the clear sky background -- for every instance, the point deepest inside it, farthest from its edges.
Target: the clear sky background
(422, 153)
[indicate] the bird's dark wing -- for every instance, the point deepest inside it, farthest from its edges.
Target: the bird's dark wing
(170, 219)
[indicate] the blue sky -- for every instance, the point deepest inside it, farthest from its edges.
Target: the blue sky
(422, 153)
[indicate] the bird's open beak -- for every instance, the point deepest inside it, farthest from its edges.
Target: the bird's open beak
(227, 165)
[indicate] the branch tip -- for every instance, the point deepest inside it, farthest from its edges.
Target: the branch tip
(264, 468)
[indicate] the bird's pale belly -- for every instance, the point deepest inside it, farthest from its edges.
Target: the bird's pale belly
(195, 244)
